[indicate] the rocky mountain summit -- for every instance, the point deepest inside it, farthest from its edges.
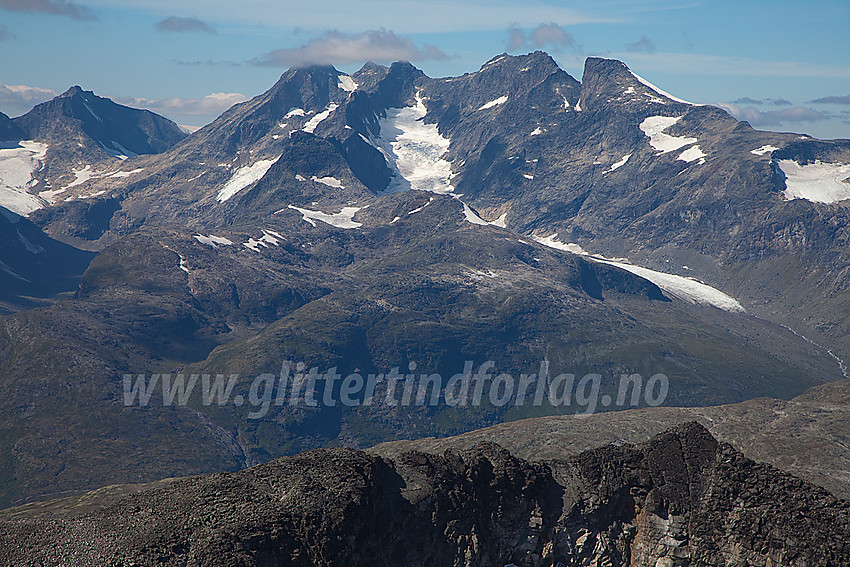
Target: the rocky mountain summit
(680, 499)
(388, 220)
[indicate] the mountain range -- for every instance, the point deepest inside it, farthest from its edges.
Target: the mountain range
(386, 219)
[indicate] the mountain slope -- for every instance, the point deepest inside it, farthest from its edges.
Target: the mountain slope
(680, 498)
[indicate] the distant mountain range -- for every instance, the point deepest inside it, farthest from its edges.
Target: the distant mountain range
(387, 219)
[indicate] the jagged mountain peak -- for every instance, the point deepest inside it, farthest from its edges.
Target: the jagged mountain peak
(611, 79)
(9, 131)
(117, 129)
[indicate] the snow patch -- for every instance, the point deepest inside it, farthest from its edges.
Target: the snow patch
(329, 181)
(692, 154)
(316, 120)
(687, 289)
(495, 102)
(680, 287)
(294, 112)
(472, 217)
(31, 248)
(817, 182)
(414, 151)
(17, 166)
(553, 242)
(766, 149)
(418, 209)
(213, 240)
(536, 132)
(659, 91)
(620, 163)
(91, 111)
(342, 219)
(243, 177)
(654, 126)
(346, 83)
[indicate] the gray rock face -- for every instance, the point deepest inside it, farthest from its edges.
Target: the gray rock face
(9, 131)
(680, 499)
(117, 129)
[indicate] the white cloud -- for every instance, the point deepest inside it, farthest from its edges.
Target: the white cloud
(335, 47)
(214, 103)
(696, 64)
(402, 16)
(54, 7)
(19, 99)
(176, 24)
(643, 45)
(796, 115)
(551, 36)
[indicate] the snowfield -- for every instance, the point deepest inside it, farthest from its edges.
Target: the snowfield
(766, 149)
(329, 181)
(17, 166)
(346, 83)
(492, 103)
(686, 289)
(243, 177)
(621, 163)
(414, 151)
(319, 118)
(817, 182)
(654, 127)
(342, 219)
(692, 154)
(646, 83)
(213, 240)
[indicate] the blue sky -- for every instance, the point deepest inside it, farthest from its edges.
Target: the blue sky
(782, 65)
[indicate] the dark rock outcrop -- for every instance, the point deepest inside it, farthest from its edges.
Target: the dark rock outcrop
(680, 499)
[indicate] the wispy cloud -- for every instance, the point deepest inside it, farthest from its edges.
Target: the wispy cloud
(214, 103)
(699, 64)
(550, 36)
(796, 115)
(175, 24)
(767, 101)
(334, 47)
(832, 100)
(18, 99)
(643, 45)
(54, 7)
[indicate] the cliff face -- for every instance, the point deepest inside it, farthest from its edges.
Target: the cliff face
(680, 499)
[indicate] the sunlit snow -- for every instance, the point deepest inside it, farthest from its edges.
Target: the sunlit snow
(680, 287)
(414, 151)
(620, 163)
(654, 127)
(818, 182)
(329, 181)
(536, 132)
(243, 177)
(470, 216)
(342, 219)
(17, 166)
(659, 91)
(492, 103)
(692, 154)
(346, 83)
(766, 149)
(294, 112)
(553, 242)
(316, 120)
(213, 240)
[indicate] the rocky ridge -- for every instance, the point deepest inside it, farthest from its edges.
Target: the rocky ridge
(680, 499)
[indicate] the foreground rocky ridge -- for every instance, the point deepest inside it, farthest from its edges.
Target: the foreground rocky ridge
(680, 499)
